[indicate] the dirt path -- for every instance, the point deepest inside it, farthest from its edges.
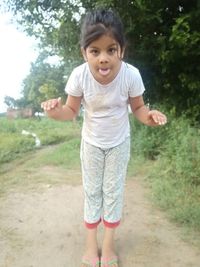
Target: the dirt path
(43, 228)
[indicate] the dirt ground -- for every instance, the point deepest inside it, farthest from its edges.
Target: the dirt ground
(43, 228)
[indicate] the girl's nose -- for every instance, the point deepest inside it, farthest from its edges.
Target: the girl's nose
(103, 58)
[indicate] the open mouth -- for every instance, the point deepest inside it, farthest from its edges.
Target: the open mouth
(104, 72)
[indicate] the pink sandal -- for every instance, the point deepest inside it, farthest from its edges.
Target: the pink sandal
(91, 263)
(105, 262)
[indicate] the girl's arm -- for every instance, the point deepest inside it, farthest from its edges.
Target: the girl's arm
(55, 110)
(144, 114)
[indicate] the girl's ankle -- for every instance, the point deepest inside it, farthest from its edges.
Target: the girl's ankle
(108, 253)
(91, 253)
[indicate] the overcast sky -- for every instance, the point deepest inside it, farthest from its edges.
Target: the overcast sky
(17, 51)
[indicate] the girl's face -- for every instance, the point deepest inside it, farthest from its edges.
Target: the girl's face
(104, 58)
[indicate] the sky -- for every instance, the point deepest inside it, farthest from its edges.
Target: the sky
(17, 51)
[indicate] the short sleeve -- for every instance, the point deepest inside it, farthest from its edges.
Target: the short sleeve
(73, 84)
(136, 85)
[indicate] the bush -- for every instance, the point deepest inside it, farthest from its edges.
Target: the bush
(182, 151)
(147, 141)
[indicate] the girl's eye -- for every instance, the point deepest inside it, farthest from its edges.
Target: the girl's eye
(112, 50)
(94, 52)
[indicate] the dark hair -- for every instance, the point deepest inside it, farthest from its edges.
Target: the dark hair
(99, 22)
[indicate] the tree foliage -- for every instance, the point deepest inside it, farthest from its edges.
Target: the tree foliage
(10, 101)
(163, 40)
(54, 22)
(44, 81)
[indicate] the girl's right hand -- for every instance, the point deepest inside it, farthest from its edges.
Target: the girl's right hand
(51, 104)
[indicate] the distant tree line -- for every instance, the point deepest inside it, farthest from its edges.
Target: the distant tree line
(163, 41)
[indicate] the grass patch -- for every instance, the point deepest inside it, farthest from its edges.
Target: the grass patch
(179, 197)
(169, 158)
(66, 155)
(13, 144)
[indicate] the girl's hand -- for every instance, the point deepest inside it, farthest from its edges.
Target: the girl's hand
(157, 118)
(53, 108)
(51, 104)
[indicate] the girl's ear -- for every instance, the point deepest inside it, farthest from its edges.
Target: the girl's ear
(122, 52)
(84, 53)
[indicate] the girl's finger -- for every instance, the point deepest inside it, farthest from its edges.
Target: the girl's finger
(50, 104)
(161, 120)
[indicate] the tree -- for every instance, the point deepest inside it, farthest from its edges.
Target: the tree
(44, 81)
(180, 64)
(54, 22)
(163, 40)
(10, 101)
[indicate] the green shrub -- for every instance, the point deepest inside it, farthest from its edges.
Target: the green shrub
(182, 151)
(147, 141)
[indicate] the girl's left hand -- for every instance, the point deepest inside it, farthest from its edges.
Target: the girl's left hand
(157, 118)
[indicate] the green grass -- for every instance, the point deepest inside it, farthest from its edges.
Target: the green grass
(169, 159)
(65, 155)
(13, 144)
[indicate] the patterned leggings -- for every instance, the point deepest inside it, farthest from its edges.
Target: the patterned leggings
(104, 172)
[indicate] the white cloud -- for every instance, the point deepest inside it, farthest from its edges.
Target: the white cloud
(17, 51)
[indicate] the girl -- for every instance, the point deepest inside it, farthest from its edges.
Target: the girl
(105, 85)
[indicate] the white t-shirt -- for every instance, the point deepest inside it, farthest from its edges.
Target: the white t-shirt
(106, 121)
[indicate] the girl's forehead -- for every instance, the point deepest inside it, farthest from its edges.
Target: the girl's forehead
(104, 40)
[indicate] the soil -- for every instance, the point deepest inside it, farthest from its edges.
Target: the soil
(43, 227)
